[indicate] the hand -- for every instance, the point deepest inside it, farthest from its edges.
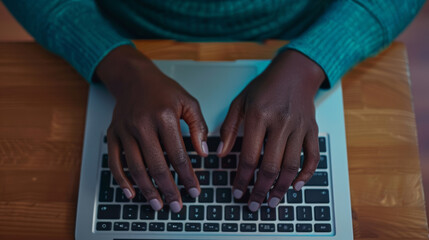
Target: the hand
(277, 105)
(149, 106)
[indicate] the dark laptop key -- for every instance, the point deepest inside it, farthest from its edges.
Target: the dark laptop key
(286, 213)
(244, 198)
(293, 196)
(105, 161)
(156, 226)
(322, 213)
(267, 227)
(114, 183)
(206, 195)
(139, 198)
(186, 198)
(138, 226)
(249, 215)
(104, 226)
(322, 227)
(323, 163)
(304, 227)
(211, 161)
(301, 163)
(106, 195)
(232, 212)
(318, 179)
(211, 227)
(188, 144)
(174, 227)
(203, 177)
(214, 213)
(248, 227)
(322, 144)
(121, 226)
(229, 227)
(304, 213)
(146, 212)
(195, 160)
(180, 215)
(316, 196)
(120, 196)
(109, 211)
(130, 178)
(196, 213)
(105, 139)
(237, 144)
(129, 212)
(213, 143)
(268, 214)
(229, 161)
(193, 227)
(220, 178)
(284, 227)
(164, 212)
(105, 179)
(223, 195)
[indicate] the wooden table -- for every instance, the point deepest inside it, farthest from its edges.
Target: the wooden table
(42, 114)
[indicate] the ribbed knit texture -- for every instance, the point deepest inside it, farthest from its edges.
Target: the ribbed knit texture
(334, 34)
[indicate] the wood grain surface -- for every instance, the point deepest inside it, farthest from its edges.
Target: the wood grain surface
(42, 115)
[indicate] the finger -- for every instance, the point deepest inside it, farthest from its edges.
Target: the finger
(139, 173)
(115, 165)
(197, 127)
(229, 129)
(270, 167)
(288, 170)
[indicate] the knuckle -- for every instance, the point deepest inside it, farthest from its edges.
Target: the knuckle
(159, 171)
(259, 193)
(269, 169)
(290, 169)
(180, 159)
(136, 170)
(246, 164)
(259, 112)
(149, 192)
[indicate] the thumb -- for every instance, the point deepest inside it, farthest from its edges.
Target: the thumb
(197, 127)
(229, 129)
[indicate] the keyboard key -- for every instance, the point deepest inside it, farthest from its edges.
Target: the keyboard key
(286, 213)
(211, 227)
(213, 143)
(244, 198)
(196, 212)
(105, 161)
(109, 211)
(322, 213)
(322, 144)
(283, 227)
(188, 144)
(139, 198)
(211, 161)
(104, 226)
(322, 227)
(318, 179)
(316, 196)
(232, 213)
(237, 144)
(203, 177)
(105, 139)
(186, 198)
(121, 226)
(138, 226)
(156, 226)
(206, 195)
(180, 215)
(214, 213)
(267, 227)
(106, 195)
(105, 179)
(300, 227)
(293, 196)
(229, 161)
(164, 212)
(323, 162)
(268, 214)
(193, 227)
(220, 178)
(195, 160)
(146, 212)
(304, 213)
(174, 227)
(223, 195)
(120, 196)
(248, 227)
(301, 161)
(129, 212)
(229, 227)
(249, 215)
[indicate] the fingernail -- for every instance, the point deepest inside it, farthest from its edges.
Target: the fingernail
(219, 148)
(127, 193)
(175, 206)
(253, 206)
(205, 147)
(299, 185)
(274, 202)
(237, 193)
(193, 192)
(155, 204)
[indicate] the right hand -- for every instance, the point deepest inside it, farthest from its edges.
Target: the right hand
(149, 106)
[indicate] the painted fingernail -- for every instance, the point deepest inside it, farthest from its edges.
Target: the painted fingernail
(219, 148)
(253, 206)
(274, 202)
(127, 193)
(193, 192)
(205, 147)
(155, 204)
(299, 185)
(175, 206)
(237, 193)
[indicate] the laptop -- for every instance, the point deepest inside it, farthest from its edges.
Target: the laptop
(321, 210)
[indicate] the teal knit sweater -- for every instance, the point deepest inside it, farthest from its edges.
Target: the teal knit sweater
(334, 34)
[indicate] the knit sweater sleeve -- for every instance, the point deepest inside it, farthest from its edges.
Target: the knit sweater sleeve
(352, 30)
(73, 29)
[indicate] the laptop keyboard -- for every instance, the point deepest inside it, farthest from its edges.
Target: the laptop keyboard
(215, 211)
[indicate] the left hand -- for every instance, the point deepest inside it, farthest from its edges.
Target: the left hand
(277, 105)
